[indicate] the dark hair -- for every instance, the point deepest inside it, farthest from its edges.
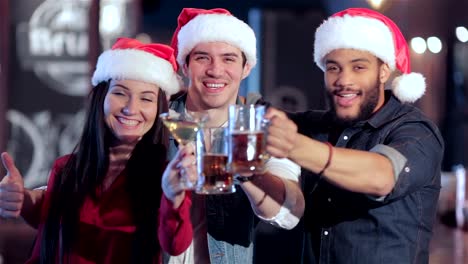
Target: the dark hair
(83, 175)
(244, 59)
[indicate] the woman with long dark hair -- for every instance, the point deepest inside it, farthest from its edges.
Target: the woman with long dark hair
(102, 203)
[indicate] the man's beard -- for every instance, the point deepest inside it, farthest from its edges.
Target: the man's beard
(366, 109)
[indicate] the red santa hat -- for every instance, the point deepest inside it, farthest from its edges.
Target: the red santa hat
(201, 25)
(368, 30)
(130, 59)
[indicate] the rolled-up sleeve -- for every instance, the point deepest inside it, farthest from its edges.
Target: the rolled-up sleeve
(415, 152)
(396, 158)
(289, 172)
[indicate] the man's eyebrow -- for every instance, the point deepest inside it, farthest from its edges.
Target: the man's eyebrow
(353, 60)
(231, 54)
(361, 60)
(199, 52)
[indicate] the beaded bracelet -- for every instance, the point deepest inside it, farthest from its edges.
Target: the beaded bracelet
(330, 155)
(261, 200)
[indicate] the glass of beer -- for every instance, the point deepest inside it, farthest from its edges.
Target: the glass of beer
(247, 139)
(184, 127)
(212, 155)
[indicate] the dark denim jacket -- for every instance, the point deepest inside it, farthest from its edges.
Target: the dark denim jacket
(346, 227)
(230, 219)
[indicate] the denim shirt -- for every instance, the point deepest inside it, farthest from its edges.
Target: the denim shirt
(230, 218)
(347, 227)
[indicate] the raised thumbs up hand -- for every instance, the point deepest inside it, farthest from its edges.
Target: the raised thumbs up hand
(11, 189)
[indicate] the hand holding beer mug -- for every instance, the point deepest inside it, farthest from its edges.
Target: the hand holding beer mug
(184, 127)
(247, 139)
(212, 155)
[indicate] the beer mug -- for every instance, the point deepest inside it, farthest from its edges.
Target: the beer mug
(247, 139)
(212, 155)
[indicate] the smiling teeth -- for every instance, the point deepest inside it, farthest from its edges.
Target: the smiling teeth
(214, 85)
(347, 95)
(128, 122)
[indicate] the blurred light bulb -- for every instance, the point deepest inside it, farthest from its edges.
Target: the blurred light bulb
(375, 4)
(434, 44)
(110, 20)
(418, 45)
(462, 34)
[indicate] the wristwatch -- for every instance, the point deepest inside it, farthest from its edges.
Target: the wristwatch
(242, 179)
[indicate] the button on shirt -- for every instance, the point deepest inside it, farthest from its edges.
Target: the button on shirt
(347, 227)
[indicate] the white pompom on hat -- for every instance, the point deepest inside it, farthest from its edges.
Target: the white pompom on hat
(130, 59)
(368, 30)
(196, 25)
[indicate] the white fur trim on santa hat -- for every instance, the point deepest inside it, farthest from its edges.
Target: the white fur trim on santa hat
(136, 65)
(354, 32)
(409, 87)
(214, 28)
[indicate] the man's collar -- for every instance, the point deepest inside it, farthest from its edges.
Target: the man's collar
(387, 112)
